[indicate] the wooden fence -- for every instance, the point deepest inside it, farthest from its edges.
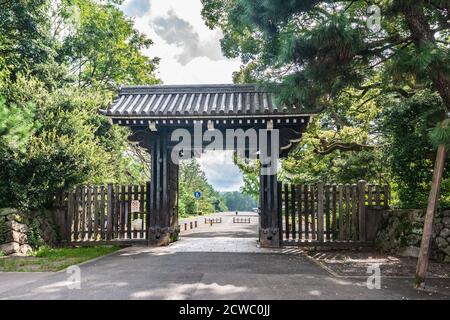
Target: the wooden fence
(308, 214)
(102, 213)
(324, 213)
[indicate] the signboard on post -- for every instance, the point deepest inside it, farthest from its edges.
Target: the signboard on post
(135, 206)
(197, 195)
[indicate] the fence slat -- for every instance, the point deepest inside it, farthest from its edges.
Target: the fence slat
(341, 212)
(110, 208)
(102, 213)
(300, 212)
(286, 209)
(320, 211)
(348, 211)
(306, 201)
(294, 221)
(76, 214)
(121, 213)
(96, 212)
(128, 211)
(70, 215)
(354, 212)
(327, 212)
(83, 213)
(89, 212)
(313, 214)
(334, 222)
(377, 196)
(362, 210)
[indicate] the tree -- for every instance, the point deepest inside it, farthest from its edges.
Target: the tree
(103, 49)
(237, 201)
(192, 179)
(52, 135)
(25, 37)
(319, 51)
(409, 152)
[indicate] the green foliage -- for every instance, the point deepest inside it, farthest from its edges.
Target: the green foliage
(250, 171)
(322, 56)
(3, 229)
(103, 49)
(16, 124)
(410, 153)
(25, 37)
(34, 235)
(59, 62)
(441, 133)
(237, 201)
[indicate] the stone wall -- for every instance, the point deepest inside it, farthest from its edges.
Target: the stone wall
(400, 231)
(21, 232)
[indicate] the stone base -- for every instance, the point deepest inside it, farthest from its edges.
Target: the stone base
(269, 238)
(162, 236)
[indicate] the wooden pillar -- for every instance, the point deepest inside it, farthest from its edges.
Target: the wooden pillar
(163, 207)
(270, 205)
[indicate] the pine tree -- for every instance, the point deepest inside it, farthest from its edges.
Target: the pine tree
(316, 52)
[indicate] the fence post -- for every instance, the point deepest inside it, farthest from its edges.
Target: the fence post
(320, 211)
(69, 216)
(110, 212)
(362, 210)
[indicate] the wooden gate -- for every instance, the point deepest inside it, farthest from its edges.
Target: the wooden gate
(111, 213)
(324, 214)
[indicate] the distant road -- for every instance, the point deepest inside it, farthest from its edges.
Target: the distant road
(226, 228)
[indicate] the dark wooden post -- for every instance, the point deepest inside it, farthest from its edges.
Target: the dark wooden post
(270, 195)
(163, 227)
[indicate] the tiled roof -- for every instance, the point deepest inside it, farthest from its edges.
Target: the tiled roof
(196, 100)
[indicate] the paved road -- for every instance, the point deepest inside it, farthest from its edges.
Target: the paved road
(203, 266)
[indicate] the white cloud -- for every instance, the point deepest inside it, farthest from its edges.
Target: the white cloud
(136, 7)
(190, 54)
(182, 34)
(221, 171)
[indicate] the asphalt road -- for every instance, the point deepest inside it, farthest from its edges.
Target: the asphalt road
(218, 262)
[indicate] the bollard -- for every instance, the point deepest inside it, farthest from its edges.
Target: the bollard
(191, 224)
(185, 226)
(210, 222)
(195, 224)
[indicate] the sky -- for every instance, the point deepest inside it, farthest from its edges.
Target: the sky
(190, 53)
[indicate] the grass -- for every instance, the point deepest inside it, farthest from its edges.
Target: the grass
(46, 259)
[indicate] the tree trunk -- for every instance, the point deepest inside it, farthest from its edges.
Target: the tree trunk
(433, 200)
(422, 35)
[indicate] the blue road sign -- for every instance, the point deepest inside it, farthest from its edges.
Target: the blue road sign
(197, 194)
